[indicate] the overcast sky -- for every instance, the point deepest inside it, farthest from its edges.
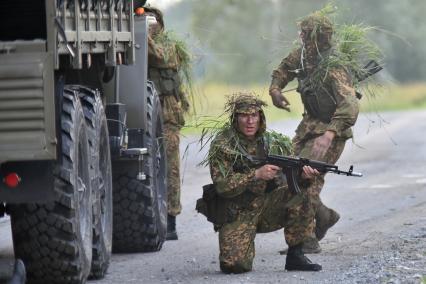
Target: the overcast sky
(162, 3)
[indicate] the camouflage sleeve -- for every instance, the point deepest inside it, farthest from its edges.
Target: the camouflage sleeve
(228, 182)
(347, 109)
(285, 71)
(155, 51)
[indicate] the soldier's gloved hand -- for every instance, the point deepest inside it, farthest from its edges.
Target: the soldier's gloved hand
(267, 172)
(279, 100)
(309, 173)
(322, 144)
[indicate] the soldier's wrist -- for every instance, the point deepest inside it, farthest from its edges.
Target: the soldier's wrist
(330, 134)
(273, 88)
(256, 174)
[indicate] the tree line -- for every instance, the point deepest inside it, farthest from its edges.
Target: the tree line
(241, 41)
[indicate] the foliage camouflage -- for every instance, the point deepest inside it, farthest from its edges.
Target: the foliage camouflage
(351, 47)
(214, 127)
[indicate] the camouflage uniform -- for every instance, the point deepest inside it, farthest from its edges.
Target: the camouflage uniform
(255, 206)
(163, 70)
(330, 106)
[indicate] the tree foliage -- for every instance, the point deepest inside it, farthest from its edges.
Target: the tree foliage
(240, 41)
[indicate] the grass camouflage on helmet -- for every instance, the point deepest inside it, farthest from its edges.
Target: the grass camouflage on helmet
(352, 47)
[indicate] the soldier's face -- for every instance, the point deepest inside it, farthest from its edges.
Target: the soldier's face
(154, 28)
(303, 35)
(248, 124)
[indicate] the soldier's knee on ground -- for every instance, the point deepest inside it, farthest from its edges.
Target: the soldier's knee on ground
(236, 267)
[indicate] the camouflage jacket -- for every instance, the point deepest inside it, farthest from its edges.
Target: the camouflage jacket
(162, 55)
(336, 106)
(163, 71)
(163, 67)
(234, 174)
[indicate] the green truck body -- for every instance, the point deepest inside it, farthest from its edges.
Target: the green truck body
(80, 130)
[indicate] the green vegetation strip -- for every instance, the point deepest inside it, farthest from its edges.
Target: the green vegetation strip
(211, 98)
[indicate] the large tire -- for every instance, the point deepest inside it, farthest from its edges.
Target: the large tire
(55, 239)
(140, 207)
(101, 179)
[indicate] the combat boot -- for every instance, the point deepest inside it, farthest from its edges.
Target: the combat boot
(325, 218)
(309, 246)
(171, 228)
(296, 260)
(19, 273)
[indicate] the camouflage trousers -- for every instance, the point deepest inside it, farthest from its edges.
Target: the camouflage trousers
(172, 140)
(280, 209)
(173, 122)
(303, 148)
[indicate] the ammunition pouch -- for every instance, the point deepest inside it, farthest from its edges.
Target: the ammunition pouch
(319, 103)
(166, 80)
(218, 210)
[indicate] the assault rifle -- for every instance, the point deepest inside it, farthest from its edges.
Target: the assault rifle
(371, 68)
(292, 168)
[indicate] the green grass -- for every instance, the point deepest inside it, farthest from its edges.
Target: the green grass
(424, 280)
(402, 97)
(210, 100)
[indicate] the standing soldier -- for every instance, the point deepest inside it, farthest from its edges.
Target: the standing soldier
(254, 199)
(330, 103)
(164, 63)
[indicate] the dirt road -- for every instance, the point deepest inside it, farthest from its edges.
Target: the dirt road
(380, 238)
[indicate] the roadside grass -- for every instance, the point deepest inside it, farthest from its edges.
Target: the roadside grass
(210, 99)
(424, 280)
(398, 97)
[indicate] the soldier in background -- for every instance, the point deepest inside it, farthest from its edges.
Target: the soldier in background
(254, 199)
(163, 71)
(331, 108)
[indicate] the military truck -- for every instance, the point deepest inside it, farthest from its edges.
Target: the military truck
(82, 160)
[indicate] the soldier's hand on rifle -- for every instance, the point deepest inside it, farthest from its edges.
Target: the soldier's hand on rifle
(267, 172)
(279, 100)
(309, 173)
(322, 144)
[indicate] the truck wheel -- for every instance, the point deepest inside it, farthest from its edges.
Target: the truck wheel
(55, 239)
(140, 207)
(101, 180)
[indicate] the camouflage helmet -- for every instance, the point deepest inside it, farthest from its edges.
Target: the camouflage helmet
(158, 14)
(316, 25)
(247, 103)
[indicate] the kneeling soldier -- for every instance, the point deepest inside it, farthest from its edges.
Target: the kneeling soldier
(252, 199)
